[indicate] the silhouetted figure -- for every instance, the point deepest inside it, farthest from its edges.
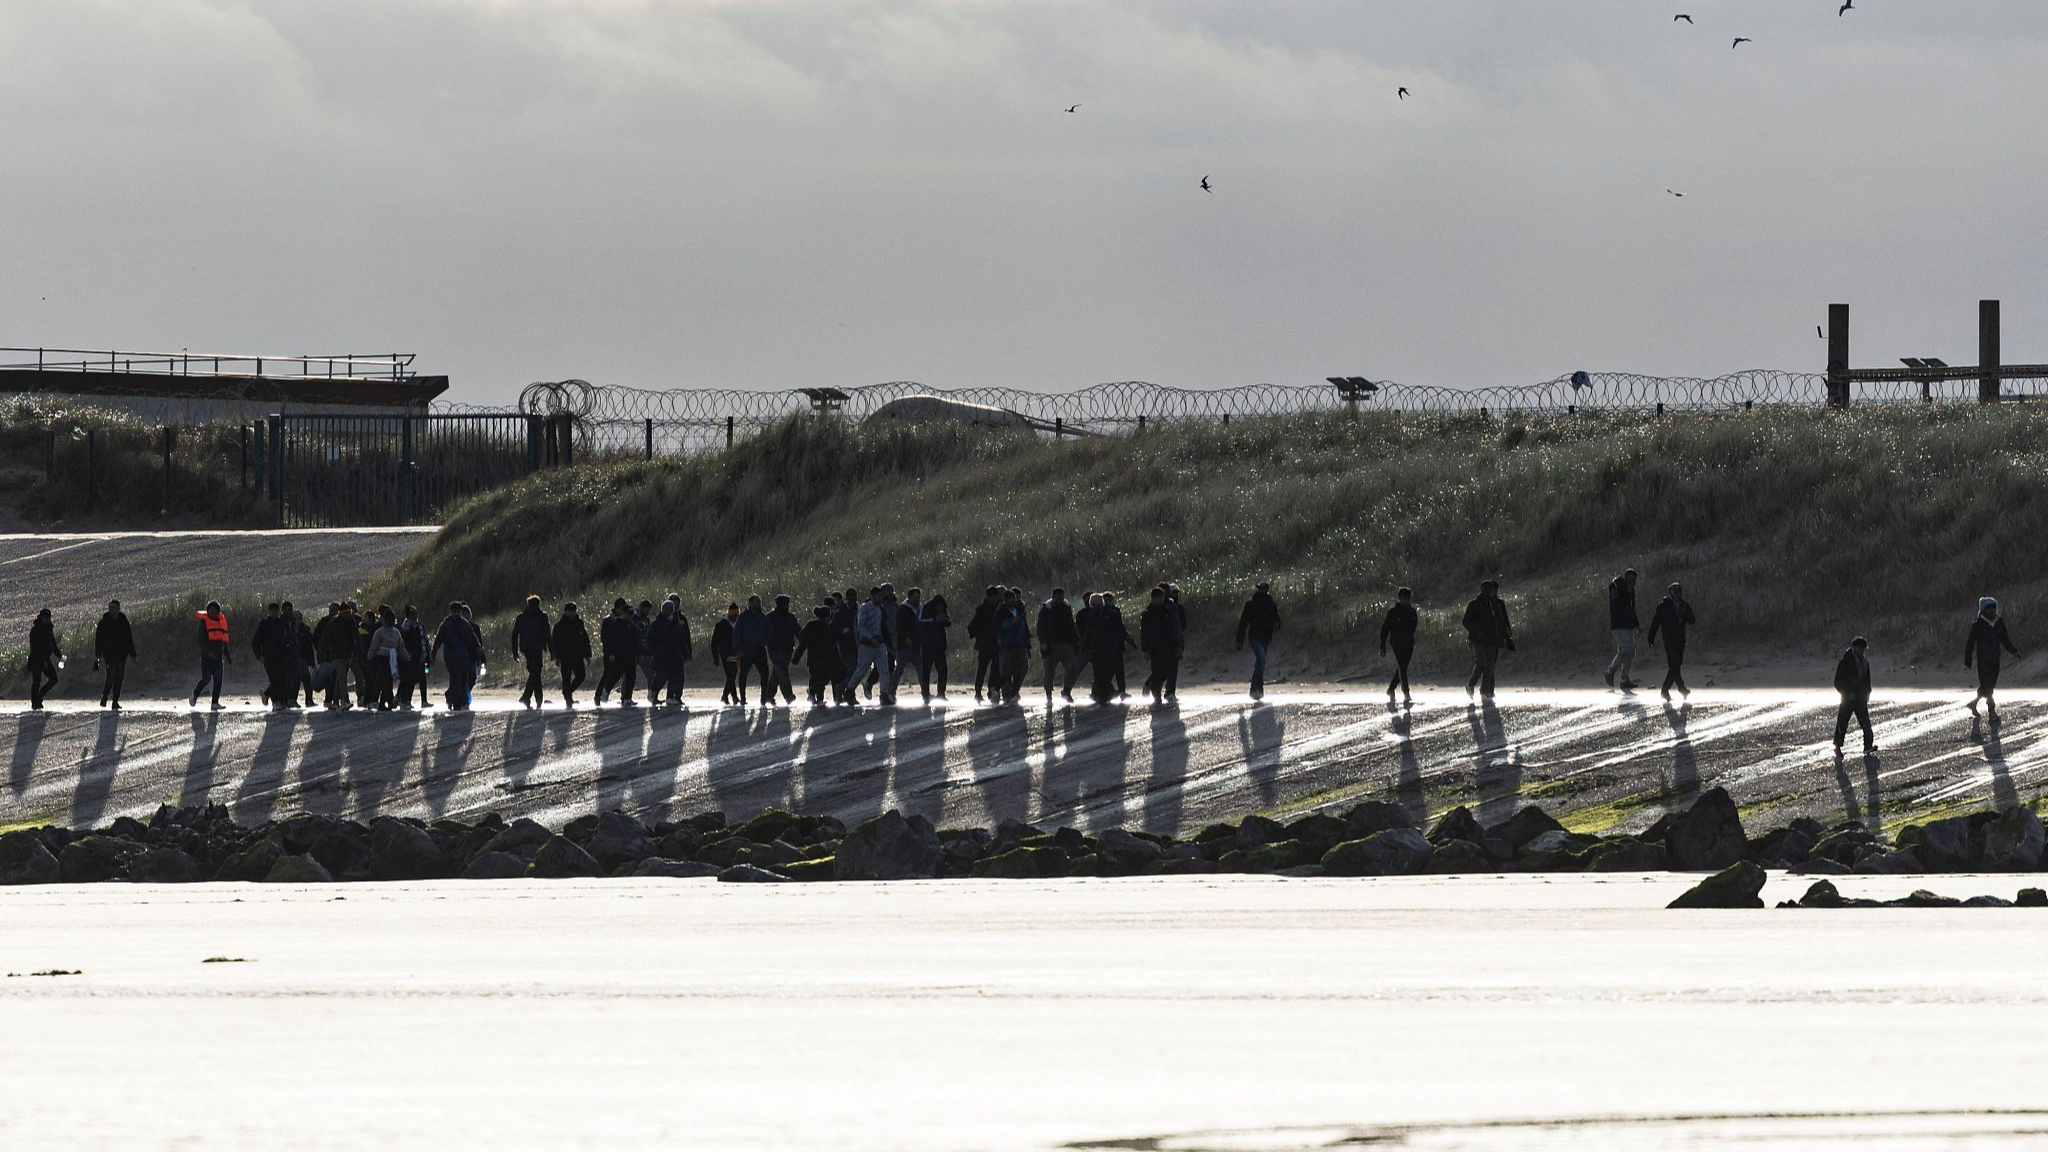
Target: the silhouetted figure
(1059, 645)
(456, 648)
(1397, 631)
(642, 618)
(932, 622)
(1622, 619)
(213, 651)
(1013, 646)
(533, 636)
(981, 629)
(1159, 637)
(619, 654)
(412, 663)
(113, 646)
(1852, 682)
(1672, 620)
(571, 646)
(1987, 637)
(334, 644)
(818, 649)
(668, 642)
(845, 611)
(275, 648)
(43, 654)
(387, 653)
(262, 639)
(1107, 640)
(726, 654)
(1256, 624)
(309, 654)
(907, 629)
(750, 635)
(871, 640)
(1488, 631)
(783, 627)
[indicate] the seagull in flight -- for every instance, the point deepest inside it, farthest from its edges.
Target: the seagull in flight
(1680, 195)
(1402, 93)
(1205, 185)
(1681, 16)
(1074, 108)
(1739, 42)
(1844, 9)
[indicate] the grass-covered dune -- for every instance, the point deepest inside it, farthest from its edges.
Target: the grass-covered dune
(1791, 529)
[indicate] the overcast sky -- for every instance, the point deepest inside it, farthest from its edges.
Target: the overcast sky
(772, 193)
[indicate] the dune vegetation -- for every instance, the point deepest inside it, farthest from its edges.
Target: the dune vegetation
(1792, 530)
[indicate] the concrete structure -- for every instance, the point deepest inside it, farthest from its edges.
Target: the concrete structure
(193, 388)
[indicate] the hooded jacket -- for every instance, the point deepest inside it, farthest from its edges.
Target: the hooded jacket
(1986, 638)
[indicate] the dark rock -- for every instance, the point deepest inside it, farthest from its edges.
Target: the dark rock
(1122, 854)
(748, 874)
(707, 821)
(1011, 833)
(1394, 852)
(1628, 855)
(91, 859)
(1071, 840)
(1301, 872)
(165, 866)
(581, 829)
(1821, 894)
(620, 839)
(1736, 886)
(1794, 847)
(343, 849)
(2013, 842)
(889, 847)
(962, 850)
(1922, 898)
(1275, 856)
(1555, 840)
(1498, 850)
(766, 826)
(1455, 856)
(1900, 863)
(1085, 864)
(563, 859)
(1987, 902)
(1843, 844)
(810, 870)
(520, 838)
(297, 870)
(769, 855)
(2032, 898)
(1181, 866)
(980, 837)
(1457, 824)
(1524, 826)
(1376, 816)
(674, 869)
(1943, 846)
(24, 859)
(495, 866)
(400, 851)
(128, 828)
(1706, 836)
(1253, 831)
(1819, 866)
(253, 863)
(677, 844)
(1022, 864)
(723, 852)
(1321, 831)
(1216, 832)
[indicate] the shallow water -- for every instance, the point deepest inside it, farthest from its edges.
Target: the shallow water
(1189, 1013)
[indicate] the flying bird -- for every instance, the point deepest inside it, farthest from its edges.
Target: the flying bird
(1680, 195)
(1402, 93)
(1681, 16)
(1739, 42)
(1074, 108)
(1205, 185)
(1844, 9)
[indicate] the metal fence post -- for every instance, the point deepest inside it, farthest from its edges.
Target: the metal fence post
(650, 437)
(568, 439)
(1059, 427)
(244, 430)
(1141, 425)
(533, 432)
(405, 497)
(728, 431)
(277, 478)
(262, 461)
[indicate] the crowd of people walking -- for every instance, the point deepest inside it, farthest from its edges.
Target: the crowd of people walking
(855, 648)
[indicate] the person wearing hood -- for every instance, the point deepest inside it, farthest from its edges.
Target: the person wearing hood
(533, 637)
(817, 647)
(1672, 619)
(871, 635)
(571, 645)
(113, 646)
(213, 651)
(1987, 637)
(1107, 638)
(784, 630)
(726, 655)
(1398, 630)
(1852, 684)
(1257, 622)
(676, 682)
(618, 643)
(43, 654)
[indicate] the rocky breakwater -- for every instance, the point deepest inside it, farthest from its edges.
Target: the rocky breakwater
(182, 845)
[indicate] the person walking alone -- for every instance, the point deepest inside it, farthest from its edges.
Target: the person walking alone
(43, 654)
(213, 651)
(1852, 683)
(1489, 632)
(1623, 621)
(1398, 631)
(1987, 636)
(113, 646)
(533, 638)
(1257, 622)
(1672, 618)
(571, 646)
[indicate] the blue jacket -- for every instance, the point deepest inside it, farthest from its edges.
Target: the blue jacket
(752, 633)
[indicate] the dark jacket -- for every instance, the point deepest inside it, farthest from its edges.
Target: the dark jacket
(1621, 605)
(532, 633)
(334, 637)
(1986, 638)
(113, 639)
(1259, 620)
(932, 623)
(1013, 630)
(1107, 636)
(413, 635)
(722, 646)
(817, 646)
(668, 642)
(1398, 628)
(783, 630)
(1159, 631)
(616, 638)
(571, 641)
(303, 633)
(907, 630)
(750, 633)
(1486, 623)
(453, 636)
(1852, 676)
(844, 626)
(1671, 619)
(981, 627)
(1056, 623)
(42, 643)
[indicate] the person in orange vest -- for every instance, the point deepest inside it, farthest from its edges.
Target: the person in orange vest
(213, 651)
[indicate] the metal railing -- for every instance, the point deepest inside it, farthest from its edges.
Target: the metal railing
(389, 366)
